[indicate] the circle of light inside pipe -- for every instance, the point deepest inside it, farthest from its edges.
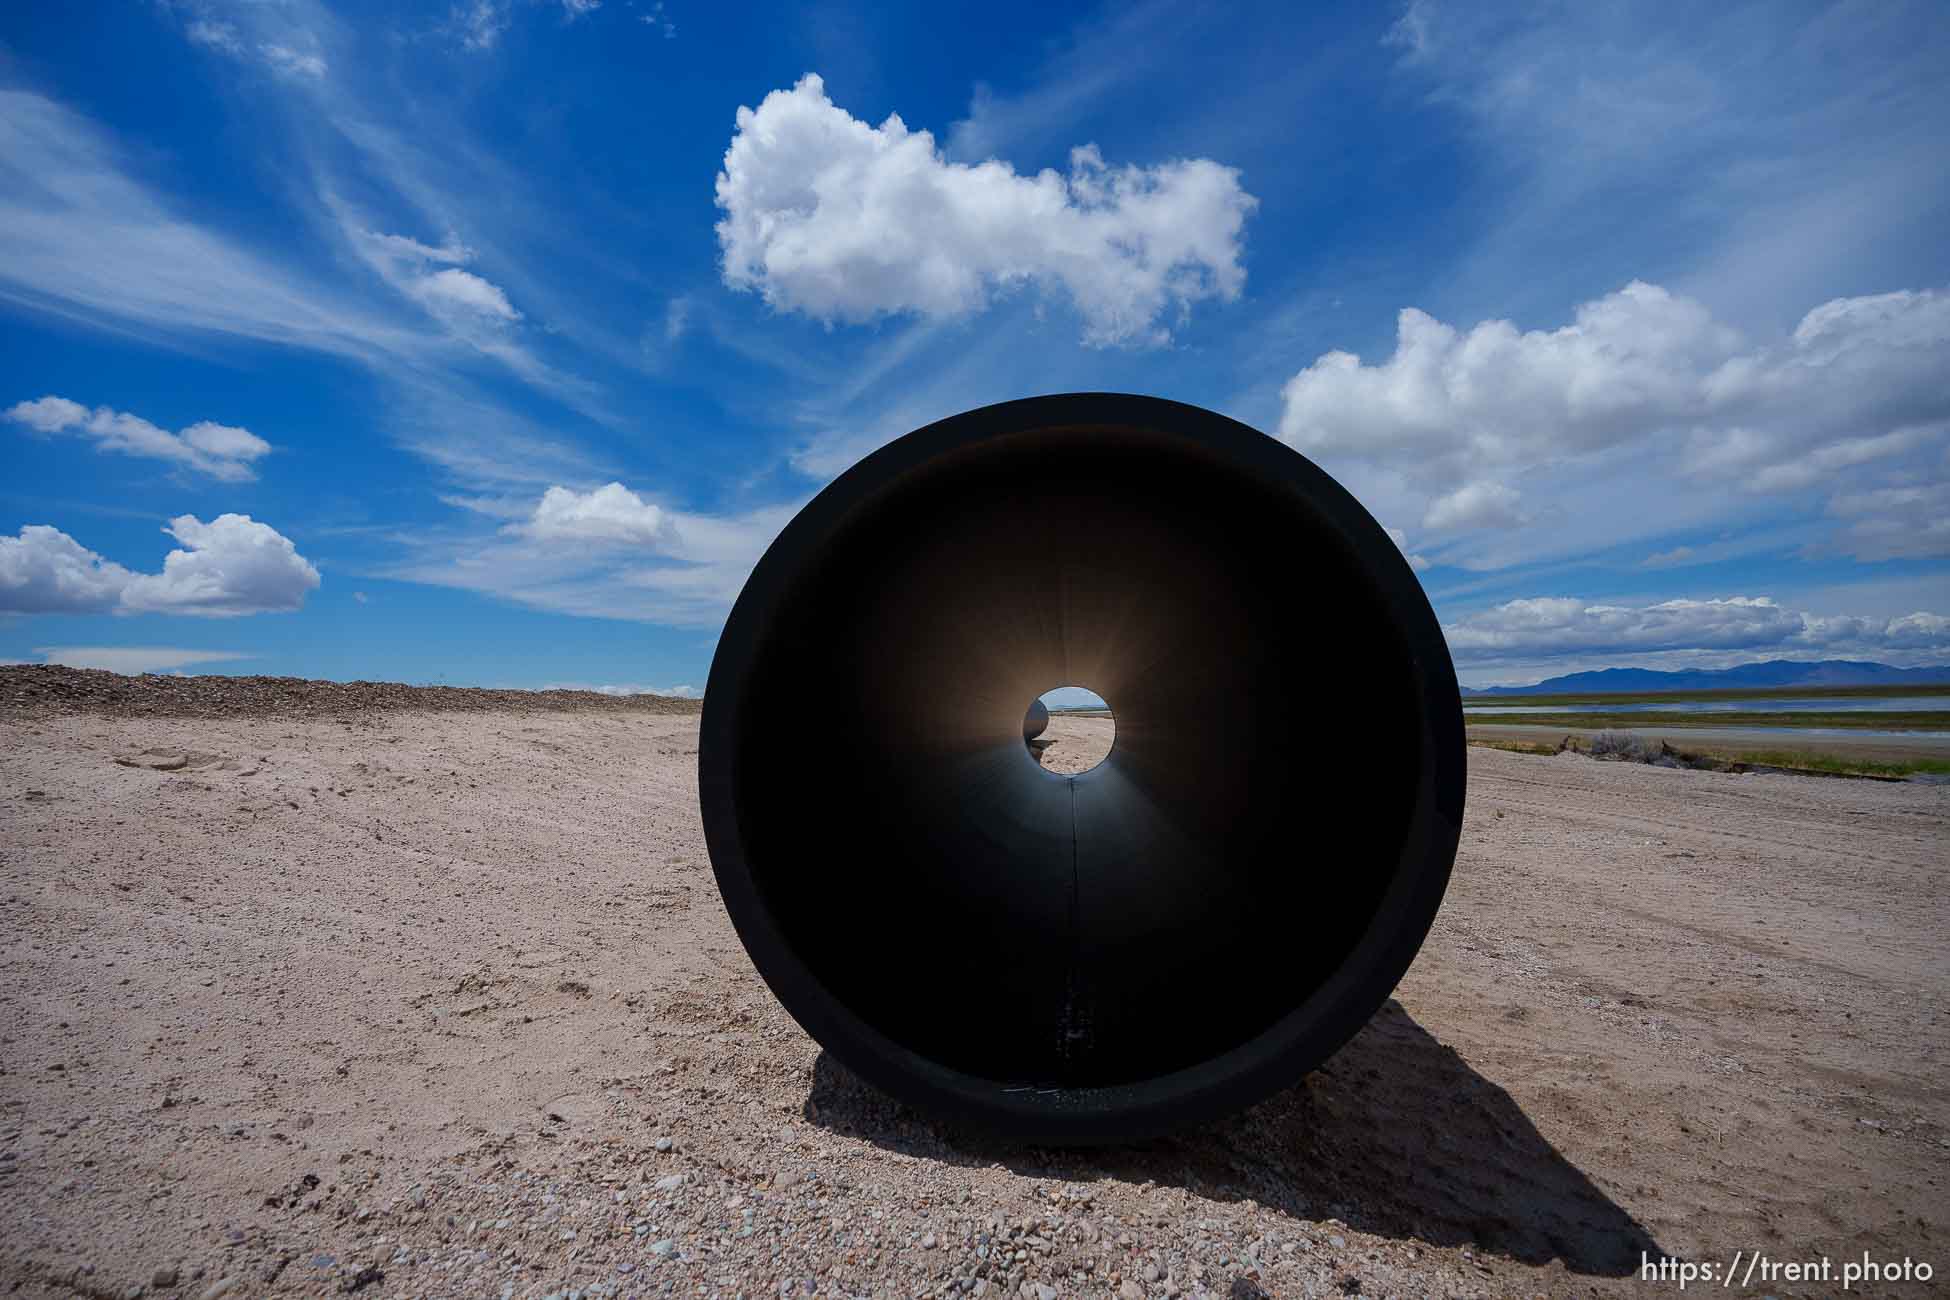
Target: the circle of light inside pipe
(1082, 729)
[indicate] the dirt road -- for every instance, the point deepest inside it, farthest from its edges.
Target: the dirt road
(446, 1005)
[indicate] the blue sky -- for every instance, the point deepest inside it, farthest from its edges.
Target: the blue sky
(491, 342)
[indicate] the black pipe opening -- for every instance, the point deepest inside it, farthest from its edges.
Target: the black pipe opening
(1204, 915)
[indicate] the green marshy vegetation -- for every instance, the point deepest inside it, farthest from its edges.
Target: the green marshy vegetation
(1638, 749)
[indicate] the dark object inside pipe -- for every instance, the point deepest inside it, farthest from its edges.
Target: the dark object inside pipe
(1184, 929)
(1036, 721)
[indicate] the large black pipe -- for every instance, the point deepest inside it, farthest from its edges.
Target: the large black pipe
(1185, 929)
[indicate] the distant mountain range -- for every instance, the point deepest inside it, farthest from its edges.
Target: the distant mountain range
(1772, 673)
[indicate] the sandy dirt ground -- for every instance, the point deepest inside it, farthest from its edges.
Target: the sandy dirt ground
(1077, 744)
(446, 1005)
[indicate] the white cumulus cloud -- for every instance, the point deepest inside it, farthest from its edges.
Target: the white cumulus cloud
(230, 566)
(1854, 399)
(454, 296)
(455, 288)
(611, 513)
(844, 221)
(45, 571)
(1492, 397)
(1918, 629)
(222, 451)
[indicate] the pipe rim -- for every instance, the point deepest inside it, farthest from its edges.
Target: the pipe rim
(1274, 1059)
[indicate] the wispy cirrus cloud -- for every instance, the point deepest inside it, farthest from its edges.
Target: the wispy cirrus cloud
(480, 24)
(1549, 626)
(81, 237)
(223, 37)
(1400, 539)
(1903, 521)
(214, 35)
(1788, 153)
(293, 62)
(603, 552)
(132, 660)
(84, 238)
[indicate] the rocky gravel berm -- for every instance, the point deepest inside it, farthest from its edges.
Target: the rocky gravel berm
(166, 695)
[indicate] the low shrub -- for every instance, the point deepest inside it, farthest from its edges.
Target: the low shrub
(1624, 747)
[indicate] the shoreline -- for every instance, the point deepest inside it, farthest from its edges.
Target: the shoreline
(1729, 741)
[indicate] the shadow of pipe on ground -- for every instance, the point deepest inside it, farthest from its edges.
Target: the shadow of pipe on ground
(1394, 1136)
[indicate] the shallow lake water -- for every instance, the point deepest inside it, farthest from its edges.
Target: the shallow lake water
(1812, 703)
